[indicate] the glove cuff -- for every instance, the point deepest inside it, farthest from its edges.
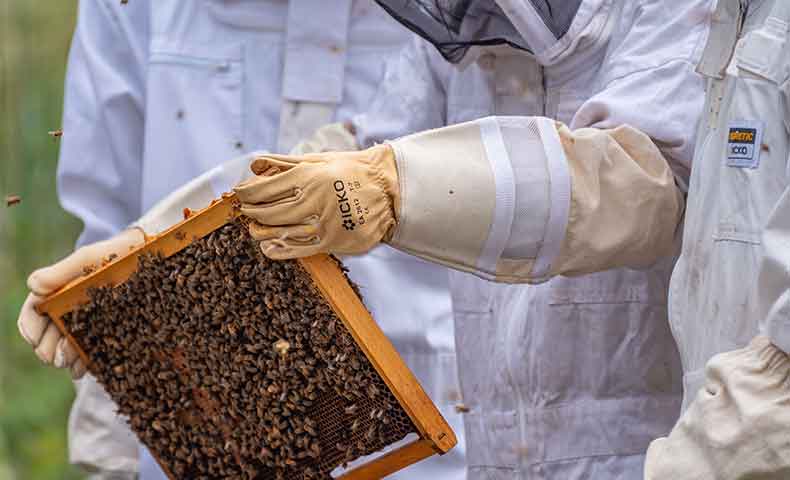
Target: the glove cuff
(387, 179)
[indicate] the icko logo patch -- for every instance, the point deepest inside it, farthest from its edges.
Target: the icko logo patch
(344, 206)
(743, 144)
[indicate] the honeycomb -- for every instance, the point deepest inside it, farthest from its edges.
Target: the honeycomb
(230, 365)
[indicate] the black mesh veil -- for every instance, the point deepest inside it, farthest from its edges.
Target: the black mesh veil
(455, 25)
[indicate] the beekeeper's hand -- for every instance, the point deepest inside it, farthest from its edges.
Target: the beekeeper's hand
(334, 202)
(737, 425)
(49, 344)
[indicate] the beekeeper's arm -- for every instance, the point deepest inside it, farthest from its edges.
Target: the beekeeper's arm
(515, 199)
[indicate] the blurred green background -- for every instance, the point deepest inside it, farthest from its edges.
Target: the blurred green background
(34, 400)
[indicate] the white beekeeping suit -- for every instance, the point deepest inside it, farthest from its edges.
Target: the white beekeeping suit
(570, 379)
(158, 92)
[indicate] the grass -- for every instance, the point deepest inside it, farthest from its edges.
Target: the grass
(34, 400)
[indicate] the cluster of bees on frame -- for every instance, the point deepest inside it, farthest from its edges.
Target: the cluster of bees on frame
(230, 365)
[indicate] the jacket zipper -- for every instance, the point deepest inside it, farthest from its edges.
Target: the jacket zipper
(521, 411)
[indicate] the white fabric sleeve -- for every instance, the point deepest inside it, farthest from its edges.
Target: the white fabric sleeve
(99, 181)
(481, 196)
(411, 97)
(625, 205)
(520, 199)
(196, 194)
(623, 152)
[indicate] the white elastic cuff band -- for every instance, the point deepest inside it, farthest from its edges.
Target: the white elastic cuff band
(560, 198)
(499, 231)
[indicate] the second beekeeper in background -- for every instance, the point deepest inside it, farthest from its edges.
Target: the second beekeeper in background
(570, 379)
(158, 93)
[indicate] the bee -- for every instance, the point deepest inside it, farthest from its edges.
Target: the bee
(370, 435)
(351, 409)
(11, 200)
(461, 408)
(310, 430)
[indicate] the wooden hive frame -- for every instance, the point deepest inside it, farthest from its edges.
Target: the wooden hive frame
(435, 435)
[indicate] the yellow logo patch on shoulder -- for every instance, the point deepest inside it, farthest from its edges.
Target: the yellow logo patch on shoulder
(743, 143)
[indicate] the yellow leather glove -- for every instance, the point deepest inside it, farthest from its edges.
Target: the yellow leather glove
(49, 344)
(334, 202)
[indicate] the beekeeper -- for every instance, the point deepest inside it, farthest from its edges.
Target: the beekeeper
(158, 93)
(568, 121)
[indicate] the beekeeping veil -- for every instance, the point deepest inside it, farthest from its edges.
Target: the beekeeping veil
(454, 26)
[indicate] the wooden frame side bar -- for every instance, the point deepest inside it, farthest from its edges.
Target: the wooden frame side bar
(407, 389)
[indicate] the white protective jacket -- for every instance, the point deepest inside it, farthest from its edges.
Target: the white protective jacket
(158, 92)
(737, 211)
(572, 378)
